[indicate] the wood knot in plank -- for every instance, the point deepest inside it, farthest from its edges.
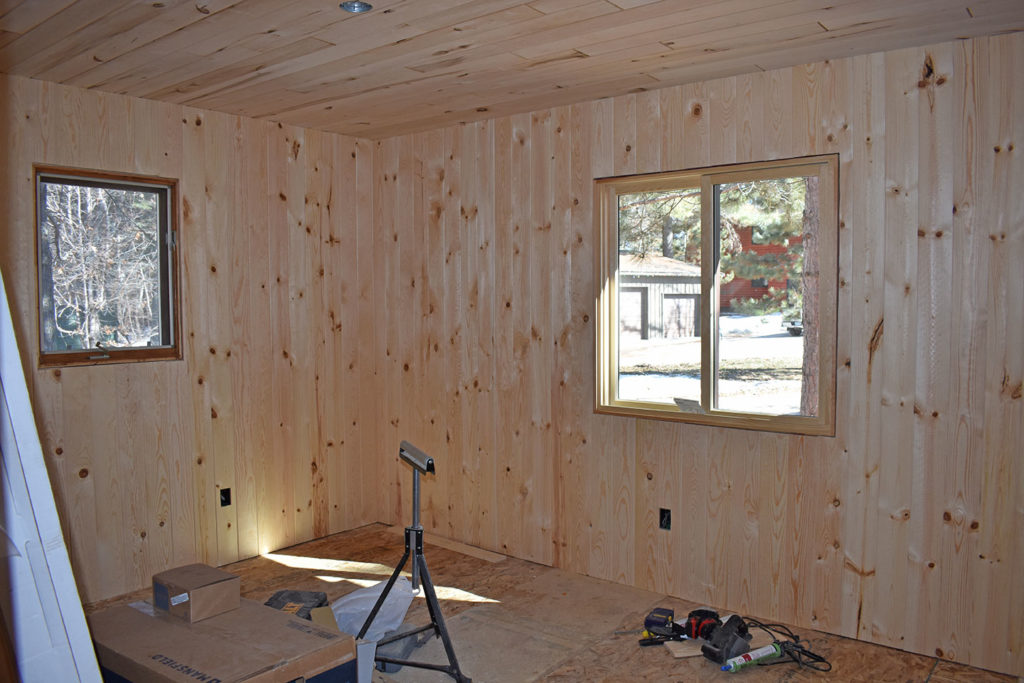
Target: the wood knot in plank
(902, 514)
(874, 343)
(1013, 391)
(930, 80)
(863, 573)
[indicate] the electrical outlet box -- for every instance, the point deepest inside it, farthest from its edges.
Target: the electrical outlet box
(225, 497)
(664, 519)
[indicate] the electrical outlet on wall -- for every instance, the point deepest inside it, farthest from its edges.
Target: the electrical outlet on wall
(664, 519)
(225, 497)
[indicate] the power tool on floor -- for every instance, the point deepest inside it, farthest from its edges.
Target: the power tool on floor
(659, 626)
(722, 640)
(727, 642)
(730, 639)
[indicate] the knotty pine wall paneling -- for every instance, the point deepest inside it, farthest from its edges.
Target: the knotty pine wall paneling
(431, 200)
(608, 503)
(458, 265)
(389, 325)
(478, 486)
(861, 307)
(362, 453)
(1004, 423)
(986, 465)
(562, 315)
(902, 529)
(538, 485)
(279, 321)
(454, 348)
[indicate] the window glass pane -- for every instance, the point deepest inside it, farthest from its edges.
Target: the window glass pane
(659, 290)
(768, 281)
(100, 265)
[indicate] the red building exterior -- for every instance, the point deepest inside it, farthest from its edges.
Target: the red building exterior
(742, 288)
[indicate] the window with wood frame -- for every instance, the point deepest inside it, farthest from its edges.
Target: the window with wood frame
(717, 295)
(107, 267)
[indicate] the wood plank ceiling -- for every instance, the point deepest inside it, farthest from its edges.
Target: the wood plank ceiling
(412, 65)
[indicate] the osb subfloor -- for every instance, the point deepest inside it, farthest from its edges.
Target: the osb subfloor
(512, 620)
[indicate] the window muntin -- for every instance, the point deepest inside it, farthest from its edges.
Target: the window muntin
(106, 267)
(759, 358)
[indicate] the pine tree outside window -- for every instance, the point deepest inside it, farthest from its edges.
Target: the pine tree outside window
(718, 293)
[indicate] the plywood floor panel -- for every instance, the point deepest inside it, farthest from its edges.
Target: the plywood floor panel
(514, 620)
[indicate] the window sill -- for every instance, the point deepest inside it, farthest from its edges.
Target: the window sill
(784, 424)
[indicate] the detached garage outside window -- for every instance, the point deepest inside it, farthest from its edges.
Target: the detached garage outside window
(717, 302)
(107, 267)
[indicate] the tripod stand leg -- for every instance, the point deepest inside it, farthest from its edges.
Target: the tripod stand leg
(438, 620)
(384, 593)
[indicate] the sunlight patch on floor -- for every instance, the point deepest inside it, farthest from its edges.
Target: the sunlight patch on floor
(325, 565)
(330, 579)
(445, 593)
(352, 567)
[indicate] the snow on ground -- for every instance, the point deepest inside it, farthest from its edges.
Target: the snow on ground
(751, 325)
(742, 337)
(772, 398)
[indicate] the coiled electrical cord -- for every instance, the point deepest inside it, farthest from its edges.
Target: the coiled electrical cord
(794, 648)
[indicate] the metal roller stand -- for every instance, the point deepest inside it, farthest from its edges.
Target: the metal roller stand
(420, 462)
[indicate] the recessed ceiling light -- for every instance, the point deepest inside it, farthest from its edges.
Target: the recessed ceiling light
(356, 7)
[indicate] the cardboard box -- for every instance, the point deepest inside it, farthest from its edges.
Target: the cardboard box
(366, 650)
(254, 644)
(195, 592)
